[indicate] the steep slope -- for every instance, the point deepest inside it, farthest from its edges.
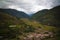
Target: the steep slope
(5, 21)
(50, 17)
(53, 17)
(39, 15)
(13, 12)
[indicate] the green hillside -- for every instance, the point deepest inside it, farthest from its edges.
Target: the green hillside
(38, 16)
(51, 17)
(12, 28)
(14, 12)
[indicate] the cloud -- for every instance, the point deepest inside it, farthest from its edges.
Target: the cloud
(29, 6)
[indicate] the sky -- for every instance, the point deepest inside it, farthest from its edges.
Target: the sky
(29, 6)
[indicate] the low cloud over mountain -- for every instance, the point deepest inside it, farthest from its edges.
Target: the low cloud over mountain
(29, 6)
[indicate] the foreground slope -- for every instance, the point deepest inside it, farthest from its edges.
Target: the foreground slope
(12, 28)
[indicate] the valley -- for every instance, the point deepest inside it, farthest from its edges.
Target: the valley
(17, 25)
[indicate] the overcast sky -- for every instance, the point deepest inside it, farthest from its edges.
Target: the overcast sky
(29, 6)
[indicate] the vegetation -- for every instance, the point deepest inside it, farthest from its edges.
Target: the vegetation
(51, 17)
(13, 12)
(13, 28)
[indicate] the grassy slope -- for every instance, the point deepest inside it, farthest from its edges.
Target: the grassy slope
(20, 27)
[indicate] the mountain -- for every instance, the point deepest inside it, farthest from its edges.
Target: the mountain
(13, 12)
(39, 15)
(53, 16)
(50, 17)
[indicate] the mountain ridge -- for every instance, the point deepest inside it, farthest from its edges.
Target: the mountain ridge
(51, 17)
(14, 12)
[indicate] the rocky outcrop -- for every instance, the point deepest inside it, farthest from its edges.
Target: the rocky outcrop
(36, 36)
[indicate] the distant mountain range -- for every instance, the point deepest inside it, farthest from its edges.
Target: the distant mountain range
(13, 12)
